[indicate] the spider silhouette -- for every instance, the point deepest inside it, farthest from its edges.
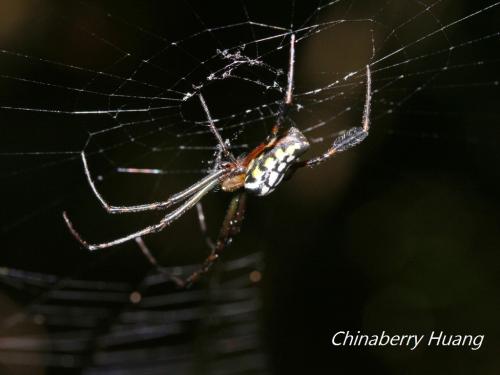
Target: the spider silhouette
(259, 172)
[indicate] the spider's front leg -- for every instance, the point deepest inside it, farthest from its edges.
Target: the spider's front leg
(351, 137)
(230, 227)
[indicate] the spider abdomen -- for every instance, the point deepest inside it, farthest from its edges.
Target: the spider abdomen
(265, 172)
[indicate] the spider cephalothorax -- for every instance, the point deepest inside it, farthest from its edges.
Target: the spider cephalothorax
(260, 171)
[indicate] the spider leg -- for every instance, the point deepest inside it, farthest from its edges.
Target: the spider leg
(230, 227)
(215, 132)
(291, 66)
(289, 92)
(203, 226)
(151, 258)
(164, 222)
(145, 251)
(351, 137)
(173, 199)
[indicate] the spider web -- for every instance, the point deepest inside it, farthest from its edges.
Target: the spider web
(120, 82)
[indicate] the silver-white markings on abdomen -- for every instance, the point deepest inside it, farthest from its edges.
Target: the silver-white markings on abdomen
(266, 171)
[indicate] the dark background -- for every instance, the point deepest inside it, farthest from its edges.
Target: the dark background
(400, 234)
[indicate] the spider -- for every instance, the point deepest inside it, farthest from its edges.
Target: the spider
(258, 172)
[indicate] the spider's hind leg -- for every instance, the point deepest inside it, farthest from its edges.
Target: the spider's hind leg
(230, 228)
(153, 261)
(203, 226)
